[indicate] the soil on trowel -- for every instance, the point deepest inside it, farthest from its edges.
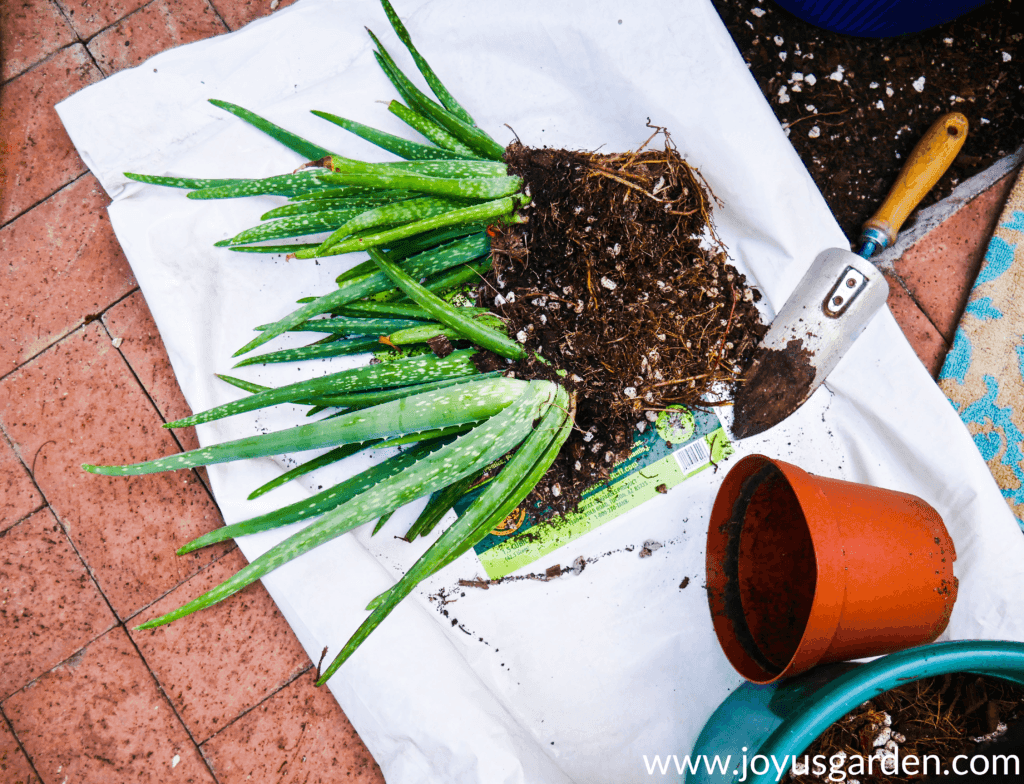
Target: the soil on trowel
(945, 716)
(618, 279)
(777, 384)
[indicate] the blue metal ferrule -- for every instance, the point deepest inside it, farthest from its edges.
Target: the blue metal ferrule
(872, 240)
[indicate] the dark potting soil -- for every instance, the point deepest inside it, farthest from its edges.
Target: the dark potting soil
(946, 715)
(617, 279)
(855, 107)
(778, 382)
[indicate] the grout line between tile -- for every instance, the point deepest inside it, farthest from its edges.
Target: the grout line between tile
(31, 763)
(251, 708)
(149, 397)
(176, 586)
(170, 704)
(893, 274)
(86, 320)
(221, 18)
(31, 207)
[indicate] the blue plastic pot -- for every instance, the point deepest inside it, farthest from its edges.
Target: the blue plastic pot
(878, 18)
(785, 717)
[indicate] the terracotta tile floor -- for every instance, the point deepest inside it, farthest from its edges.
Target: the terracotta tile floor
(224, 696)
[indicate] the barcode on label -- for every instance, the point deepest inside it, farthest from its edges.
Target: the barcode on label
(693, 455)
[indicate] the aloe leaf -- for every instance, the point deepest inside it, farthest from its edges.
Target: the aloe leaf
(413, 370)
(396, 310)
(325, 500)
(293, 226)
(425, 263)
(389, 214)
(319, 350)
(181, 182)
(421, 333)
(467, 327)
(307, 206)
(326, 459)
(375, 397)
(429, 129)
(427, 411)
(506, 491)
(303, 147)
(394, 144)
(352, 325)
(468, 134)
(382, 521)
(279, 185)
(464, 456)
(433, 81)
(439, 505)
(488, 211)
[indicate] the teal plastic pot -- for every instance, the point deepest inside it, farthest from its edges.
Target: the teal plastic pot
(783, 718)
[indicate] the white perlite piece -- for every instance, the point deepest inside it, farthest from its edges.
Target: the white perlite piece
(814, 133)
(837, 75)
(889, 91)
(521, 336)
(608, 283)
(879, 105)
(629, 392)
(883, 737)
(758, 12)
(918, 84)
(811, 79)
(116, 342)
(778, 40)
(783, 95)
(1006, 57)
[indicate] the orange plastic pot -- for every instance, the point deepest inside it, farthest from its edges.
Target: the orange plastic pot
(804, 570)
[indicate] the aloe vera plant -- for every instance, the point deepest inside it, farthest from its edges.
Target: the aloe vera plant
(424, 223)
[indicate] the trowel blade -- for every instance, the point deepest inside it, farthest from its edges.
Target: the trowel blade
(824, 315)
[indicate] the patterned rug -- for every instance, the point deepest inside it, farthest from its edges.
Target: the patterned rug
(983, 375)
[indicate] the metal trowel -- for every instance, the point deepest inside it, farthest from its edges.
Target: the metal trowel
(839, 295)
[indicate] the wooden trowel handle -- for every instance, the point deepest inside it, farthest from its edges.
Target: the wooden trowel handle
(926, 164)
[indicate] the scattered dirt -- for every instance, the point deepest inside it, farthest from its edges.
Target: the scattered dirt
(945, 716)
(618, 280)
(861, 104)
(777, 383)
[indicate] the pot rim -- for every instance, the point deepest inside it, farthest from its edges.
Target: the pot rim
(829, 585)
(821, 708)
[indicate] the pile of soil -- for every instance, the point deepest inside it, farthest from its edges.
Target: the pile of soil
(618, 281)
(855, 107)
(946, 716)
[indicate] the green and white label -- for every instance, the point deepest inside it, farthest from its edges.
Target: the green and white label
(681, 444)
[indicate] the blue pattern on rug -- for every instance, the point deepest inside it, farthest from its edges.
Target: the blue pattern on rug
(958, 360)
(983, 309)
(986, 411)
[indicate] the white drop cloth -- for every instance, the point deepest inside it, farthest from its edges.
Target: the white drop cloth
(578, 678)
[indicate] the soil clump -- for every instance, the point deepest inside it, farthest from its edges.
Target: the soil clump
(618, 281)
(777, 384)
